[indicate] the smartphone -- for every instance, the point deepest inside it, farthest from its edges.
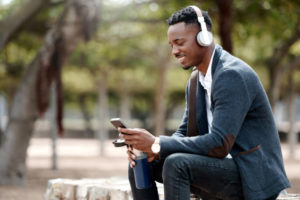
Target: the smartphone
(117, 122)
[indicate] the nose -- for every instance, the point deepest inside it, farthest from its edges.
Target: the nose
(175, 50)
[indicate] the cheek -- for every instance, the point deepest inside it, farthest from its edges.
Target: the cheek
(192, 46)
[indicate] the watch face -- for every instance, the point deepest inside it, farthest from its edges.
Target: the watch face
(155, 148)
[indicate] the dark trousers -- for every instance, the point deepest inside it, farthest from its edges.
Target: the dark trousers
(182, 174)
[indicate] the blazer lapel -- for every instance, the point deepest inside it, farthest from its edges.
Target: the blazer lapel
(215, 67)
(216, 59)
(201, 115)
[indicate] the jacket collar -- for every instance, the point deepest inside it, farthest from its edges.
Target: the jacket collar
(216, 58)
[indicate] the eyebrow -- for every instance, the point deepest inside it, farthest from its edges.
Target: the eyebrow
(177, 39)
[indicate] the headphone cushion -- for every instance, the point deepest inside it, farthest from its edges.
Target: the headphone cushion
(201, 39)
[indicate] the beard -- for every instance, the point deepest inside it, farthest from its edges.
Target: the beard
(187, 67)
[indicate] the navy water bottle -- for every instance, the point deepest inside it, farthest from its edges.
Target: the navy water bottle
(141, 170)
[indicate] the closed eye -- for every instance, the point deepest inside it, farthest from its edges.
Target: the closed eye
(179, 42)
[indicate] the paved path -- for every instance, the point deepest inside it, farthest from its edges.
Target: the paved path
(76, 154)
(80, 159)
(83, 155)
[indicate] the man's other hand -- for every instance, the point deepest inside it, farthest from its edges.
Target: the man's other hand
(131, 156)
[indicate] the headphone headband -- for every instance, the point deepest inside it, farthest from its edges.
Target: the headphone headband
(204, 37)
(197, 10)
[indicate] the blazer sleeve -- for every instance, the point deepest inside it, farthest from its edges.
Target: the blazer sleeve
(231, 103)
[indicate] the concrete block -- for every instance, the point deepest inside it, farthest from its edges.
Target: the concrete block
(115, 188)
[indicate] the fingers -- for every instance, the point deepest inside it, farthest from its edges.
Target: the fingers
(152, 156)
(139, 139)
(150, 159)
(131, 158)
(123, 130)
(131, 155)
(131, 163)
(130, 142)
(129, 147)
(129, 131)
(130, 139)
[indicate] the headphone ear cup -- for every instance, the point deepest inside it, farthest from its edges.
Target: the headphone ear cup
(204, 41)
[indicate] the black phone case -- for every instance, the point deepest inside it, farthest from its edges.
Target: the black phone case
(117, 122)
(119, 143)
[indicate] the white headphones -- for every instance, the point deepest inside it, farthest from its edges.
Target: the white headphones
(204, 37)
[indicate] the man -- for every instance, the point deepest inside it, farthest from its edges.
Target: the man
(235, 151)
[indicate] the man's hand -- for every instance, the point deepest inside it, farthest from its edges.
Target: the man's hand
(152, 156)
(139, 139)
(132, 156)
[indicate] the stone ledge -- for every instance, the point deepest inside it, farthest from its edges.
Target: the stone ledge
(115, 188)
(289, 197)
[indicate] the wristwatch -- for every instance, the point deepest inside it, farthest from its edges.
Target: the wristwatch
(156, 145)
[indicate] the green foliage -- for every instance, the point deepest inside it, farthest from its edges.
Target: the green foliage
(9, 7)
(264, 23)
(131, 42)
(24, 46)
(12, 64)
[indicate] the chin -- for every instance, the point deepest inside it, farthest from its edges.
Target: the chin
(186, 67)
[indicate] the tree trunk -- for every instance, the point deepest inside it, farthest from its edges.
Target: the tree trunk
(160, 92)
(291, 113)
(85, 114)
(125, 105)
(225, 23)
(275, 77)
(103, 113)
(67, 34)
(3, 114)
(275, 66)
(12, 25)
(160, 102)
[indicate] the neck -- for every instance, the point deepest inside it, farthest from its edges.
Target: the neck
(203, 66)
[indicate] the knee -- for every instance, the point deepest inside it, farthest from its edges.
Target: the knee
(174, 165)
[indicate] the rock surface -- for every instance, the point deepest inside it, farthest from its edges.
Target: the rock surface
(115, 188)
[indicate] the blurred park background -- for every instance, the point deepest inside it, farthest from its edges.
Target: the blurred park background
(68, 66)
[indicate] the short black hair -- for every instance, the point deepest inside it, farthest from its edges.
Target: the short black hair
(189, 16)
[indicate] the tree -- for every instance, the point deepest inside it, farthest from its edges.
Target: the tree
(15, 22)
(276, 67)
(77, 22)
(225, 23)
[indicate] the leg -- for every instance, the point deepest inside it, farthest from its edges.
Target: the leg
(274, 197)
(210, 178)
(151, 193)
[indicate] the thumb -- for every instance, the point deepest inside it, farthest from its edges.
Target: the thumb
(150, 159)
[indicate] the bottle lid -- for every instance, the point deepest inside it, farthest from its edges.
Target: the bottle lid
(138, 152)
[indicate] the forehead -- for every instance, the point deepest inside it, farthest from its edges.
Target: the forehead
(181, 30)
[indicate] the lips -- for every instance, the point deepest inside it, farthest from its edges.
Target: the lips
(181, 59)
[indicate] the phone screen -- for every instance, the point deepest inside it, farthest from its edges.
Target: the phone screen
(117, 122)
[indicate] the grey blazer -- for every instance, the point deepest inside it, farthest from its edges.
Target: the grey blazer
(243, 125)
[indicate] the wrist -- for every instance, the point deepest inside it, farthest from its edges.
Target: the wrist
(155, 148)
